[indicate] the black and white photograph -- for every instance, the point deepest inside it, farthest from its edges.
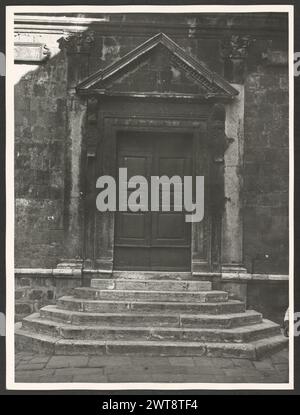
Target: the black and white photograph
(149, 197)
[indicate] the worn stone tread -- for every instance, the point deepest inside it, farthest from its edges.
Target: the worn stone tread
(54, 313)
(136, 295)
(78, 304)
(237, 334)
(153, 275)
(152, 285)
(253, 350)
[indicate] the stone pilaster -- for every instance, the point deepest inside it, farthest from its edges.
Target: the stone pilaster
(219, 143)
(234, 52)
(73, 179)
(226, 142)
(232, 223)
(77, 49)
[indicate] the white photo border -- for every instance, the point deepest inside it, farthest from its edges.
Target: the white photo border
(10, 349)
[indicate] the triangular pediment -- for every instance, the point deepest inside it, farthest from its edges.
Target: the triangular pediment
(158, 67)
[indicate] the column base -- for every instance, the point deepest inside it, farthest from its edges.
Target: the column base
(73, 266)
(236, 290)
(233, 268)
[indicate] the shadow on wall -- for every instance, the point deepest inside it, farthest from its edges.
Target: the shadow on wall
(42, 153)
(40, 139)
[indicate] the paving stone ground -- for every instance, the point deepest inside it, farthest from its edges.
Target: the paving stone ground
(37, 368)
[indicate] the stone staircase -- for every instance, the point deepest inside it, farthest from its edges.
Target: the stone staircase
(154, 317)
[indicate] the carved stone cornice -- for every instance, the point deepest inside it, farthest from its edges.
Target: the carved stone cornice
(77, 43)
(236, 46)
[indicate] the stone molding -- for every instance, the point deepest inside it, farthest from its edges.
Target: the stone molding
(63, 20)
(236, 276)
(20, 272)
(70, 272)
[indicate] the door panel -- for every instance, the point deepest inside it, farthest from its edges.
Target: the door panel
(132, 227)
(154, 240)
(170, 259)
(132, 258)
(169, 229)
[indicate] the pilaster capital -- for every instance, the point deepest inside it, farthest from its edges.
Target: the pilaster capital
(236, 46)
(77, 43)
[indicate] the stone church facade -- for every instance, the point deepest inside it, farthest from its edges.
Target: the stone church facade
(198, 94)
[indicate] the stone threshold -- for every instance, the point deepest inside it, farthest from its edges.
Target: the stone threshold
(77, 273)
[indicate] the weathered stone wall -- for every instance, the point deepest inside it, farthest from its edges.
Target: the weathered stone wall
(266, 159)
(35, 291)
(40, 131)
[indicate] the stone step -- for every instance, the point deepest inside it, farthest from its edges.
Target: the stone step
(151, 285)
(223, 320)
(101, 306)
(28, 340)
(152, 275)
(151, 319)
(161, 296)
(68, 331)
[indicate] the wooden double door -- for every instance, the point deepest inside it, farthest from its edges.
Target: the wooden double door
(153, 240)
